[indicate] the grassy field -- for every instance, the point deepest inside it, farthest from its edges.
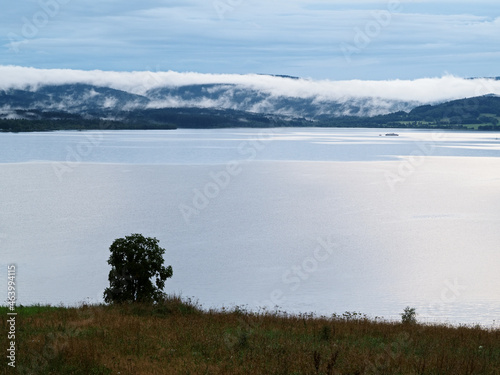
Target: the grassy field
(176, 337)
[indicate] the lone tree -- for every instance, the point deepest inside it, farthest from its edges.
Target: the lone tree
(135, 260)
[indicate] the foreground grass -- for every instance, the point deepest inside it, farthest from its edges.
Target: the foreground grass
(176, 337)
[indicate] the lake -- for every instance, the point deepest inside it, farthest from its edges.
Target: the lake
(306, 219)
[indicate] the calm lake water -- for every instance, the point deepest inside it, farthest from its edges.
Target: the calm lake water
(307, 219)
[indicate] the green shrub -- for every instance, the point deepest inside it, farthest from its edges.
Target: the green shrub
(409, 315)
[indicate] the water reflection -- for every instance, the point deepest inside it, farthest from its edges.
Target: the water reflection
(411, 220)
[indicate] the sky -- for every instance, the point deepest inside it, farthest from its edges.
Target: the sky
(320, 40)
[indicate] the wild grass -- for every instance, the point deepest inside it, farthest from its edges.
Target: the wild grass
(178, 337)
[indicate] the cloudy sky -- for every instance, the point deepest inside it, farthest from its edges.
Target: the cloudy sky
(335, 40)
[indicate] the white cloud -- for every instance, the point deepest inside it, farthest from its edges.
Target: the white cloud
(425, 90)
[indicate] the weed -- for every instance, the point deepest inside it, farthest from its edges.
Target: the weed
(176, 336)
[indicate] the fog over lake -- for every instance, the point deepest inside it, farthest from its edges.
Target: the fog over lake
(307, 219)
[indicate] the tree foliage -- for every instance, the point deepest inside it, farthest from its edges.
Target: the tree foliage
(135, 262)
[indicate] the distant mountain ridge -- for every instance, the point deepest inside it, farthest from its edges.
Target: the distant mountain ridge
(91, 99)
(74, 98)
(211, 105)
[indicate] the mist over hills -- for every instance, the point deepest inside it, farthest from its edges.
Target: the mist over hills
(102, 102)
(171, 99)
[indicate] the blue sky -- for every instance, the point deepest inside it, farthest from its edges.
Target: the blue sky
(336, 40)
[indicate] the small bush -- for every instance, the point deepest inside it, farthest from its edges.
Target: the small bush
(409, 315)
